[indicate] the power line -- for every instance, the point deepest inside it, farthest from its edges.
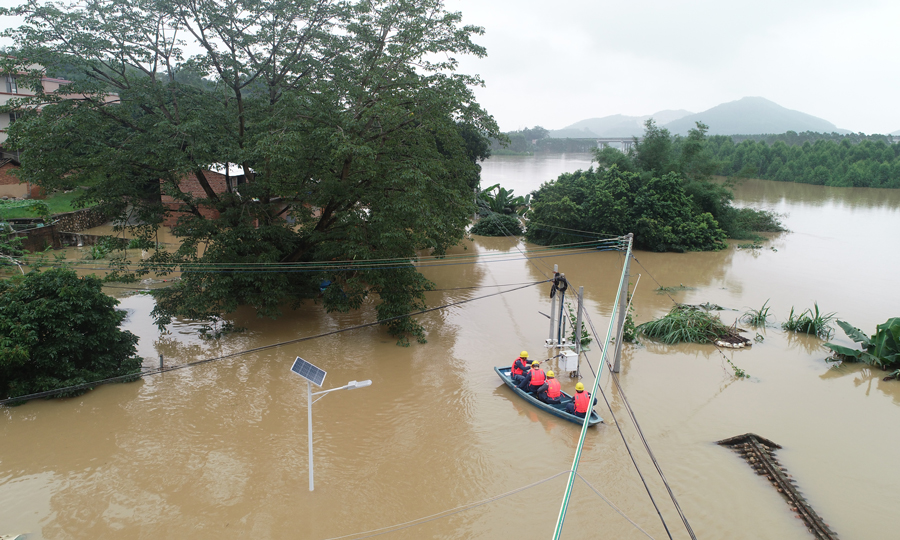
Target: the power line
(357, 262)
(614, 507)
(445, 513)
(135, 376)
(640, 432)
(622, 435)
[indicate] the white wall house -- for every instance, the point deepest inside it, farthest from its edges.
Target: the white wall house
(10, 89)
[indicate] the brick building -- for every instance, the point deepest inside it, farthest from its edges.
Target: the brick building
(190, 184)
(10, 185)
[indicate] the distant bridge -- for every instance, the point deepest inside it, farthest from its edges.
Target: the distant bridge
(622, 143)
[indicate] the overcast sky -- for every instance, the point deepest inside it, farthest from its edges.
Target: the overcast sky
(554, 63)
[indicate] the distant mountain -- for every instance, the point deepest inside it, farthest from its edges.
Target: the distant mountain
(617, 125)
(751, 116)
(896, 132)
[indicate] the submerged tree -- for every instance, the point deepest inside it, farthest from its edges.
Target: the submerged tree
(656, 209)
(693, 162)
(356, 140)
(60, 330)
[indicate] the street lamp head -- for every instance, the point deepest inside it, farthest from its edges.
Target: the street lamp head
(352, 385)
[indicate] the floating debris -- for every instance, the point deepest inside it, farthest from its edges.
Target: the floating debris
(760, 454)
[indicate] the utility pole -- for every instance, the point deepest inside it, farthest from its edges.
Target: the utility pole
(584, 427)
(578, 330)
(623, 305)
(550, 340)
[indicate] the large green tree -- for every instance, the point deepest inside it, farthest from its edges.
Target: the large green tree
(356, 139)
(612, 202)
(59, 330)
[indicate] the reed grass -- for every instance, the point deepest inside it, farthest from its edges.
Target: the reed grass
(757, 317)
(811, 322)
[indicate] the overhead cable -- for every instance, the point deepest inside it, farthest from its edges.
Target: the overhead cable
(156, 371)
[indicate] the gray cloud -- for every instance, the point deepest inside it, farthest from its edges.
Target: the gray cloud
(553, 64)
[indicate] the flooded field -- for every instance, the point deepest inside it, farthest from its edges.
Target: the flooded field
(220, 450)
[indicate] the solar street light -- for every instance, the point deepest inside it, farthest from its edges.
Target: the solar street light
(314, 375)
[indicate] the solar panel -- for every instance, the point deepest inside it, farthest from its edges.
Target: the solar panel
(308, 371)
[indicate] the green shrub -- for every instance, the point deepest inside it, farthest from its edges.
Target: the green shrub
(498, 225)
(60, 330)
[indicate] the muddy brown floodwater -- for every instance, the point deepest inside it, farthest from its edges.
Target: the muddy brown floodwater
(220, 450)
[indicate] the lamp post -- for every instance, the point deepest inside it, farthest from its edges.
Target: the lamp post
(352, 385)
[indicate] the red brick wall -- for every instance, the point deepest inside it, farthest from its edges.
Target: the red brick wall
(6, 178)
(190, 184)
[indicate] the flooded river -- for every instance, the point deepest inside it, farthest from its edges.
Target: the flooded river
(220, 450)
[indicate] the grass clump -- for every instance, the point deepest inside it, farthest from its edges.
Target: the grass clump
(811, 321)
(757, 317)
(685, 323)
(676, 288)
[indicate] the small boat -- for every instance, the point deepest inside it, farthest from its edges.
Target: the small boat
(556, 409)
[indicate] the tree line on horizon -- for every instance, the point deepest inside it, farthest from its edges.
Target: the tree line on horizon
(828, 159)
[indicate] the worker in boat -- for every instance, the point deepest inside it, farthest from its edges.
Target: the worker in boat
(549, 392)
(581, 403)
(519, 368)
(534, 379)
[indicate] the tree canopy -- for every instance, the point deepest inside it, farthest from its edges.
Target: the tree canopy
(59, 330)
(355, 137)
(661, 191)
(840, 161)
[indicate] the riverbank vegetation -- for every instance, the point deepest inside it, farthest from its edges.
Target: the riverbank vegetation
(881, 350)
(837, 160)
(662, 192)
(348, 135)
(60, 330)
(537, 140)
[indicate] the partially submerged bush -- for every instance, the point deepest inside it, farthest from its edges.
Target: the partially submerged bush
(498, 225)
(686, 323)
(60, 330)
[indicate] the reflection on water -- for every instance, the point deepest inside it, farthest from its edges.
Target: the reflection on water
(219, 450)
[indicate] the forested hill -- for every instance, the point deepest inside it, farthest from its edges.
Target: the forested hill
(831, 159)
(751, 115)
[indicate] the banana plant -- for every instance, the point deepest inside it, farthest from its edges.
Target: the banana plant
(880, 350)
(502, 201)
